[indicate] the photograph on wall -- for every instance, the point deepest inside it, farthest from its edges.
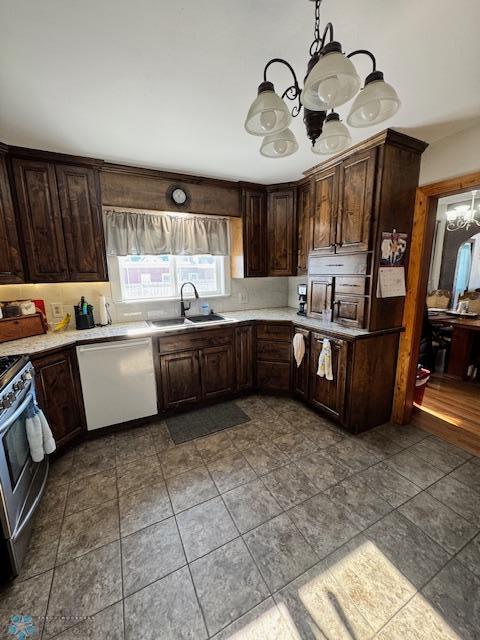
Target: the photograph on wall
(393, 249)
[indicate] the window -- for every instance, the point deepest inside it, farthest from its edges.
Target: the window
(160, 277)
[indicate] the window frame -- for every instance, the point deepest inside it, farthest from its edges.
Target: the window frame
(223, 266)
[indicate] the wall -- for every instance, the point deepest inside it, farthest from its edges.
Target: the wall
(251, 293)
(452, 156)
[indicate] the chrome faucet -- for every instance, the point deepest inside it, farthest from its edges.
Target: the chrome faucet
(183, 306)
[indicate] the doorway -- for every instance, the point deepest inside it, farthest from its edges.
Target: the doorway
(444, 265)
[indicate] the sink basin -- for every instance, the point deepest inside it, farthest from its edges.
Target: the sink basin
(179, 322)
(212, 317)
(168, 322)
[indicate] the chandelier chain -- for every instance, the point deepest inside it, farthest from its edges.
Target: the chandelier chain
(317, 39)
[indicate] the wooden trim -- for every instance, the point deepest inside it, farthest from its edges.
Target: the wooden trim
(49, 156)
(388, 136)
(417, 281)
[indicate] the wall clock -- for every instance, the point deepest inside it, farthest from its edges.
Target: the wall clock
(178, 195)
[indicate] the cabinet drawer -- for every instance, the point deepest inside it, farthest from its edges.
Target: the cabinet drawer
(338, 265)
(273, 376)
(195, 340)
(351, 285)
(350, 310)
(271, 350)
(273, 331)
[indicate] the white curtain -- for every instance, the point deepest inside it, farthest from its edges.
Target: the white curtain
(130, 233)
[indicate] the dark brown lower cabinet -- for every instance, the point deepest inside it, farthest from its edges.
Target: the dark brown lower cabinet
(59, 394)
(301, 374)
(244, 358)
(274, 357)
(202, 369)
(180, 379)
(216, 371)
(329, 395)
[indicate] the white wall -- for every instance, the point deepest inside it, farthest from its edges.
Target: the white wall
(249, 293)
(452, 156)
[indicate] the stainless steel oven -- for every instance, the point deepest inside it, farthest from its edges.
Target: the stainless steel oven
(22, 481)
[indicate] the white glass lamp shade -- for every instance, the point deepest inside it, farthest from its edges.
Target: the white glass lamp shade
(334, 138)
(279, 145)
(268, 113)
(332, 81)
(376, 102)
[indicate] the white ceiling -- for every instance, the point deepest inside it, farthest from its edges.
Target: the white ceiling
(167, 84)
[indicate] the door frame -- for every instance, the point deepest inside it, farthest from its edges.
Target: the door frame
(426, 200)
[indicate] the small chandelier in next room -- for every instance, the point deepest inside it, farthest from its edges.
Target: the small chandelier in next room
(331, 81)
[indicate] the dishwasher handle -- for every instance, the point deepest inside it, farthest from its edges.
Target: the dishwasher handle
(124, 344)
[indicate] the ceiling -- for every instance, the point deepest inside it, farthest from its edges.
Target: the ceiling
(168, 84)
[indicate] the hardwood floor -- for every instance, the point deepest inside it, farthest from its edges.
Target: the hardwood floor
(451, 410)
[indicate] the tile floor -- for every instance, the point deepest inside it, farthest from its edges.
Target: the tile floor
(282, 528)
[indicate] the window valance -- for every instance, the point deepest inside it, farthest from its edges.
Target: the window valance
(130, 233)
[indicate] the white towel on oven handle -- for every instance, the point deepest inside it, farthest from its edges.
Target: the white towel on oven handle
(35, 437)
(49, 445)
(39, 436)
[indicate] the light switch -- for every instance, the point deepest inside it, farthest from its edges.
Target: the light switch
(57, 309)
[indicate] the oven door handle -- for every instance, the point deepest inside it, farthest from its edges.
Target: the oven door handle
(21, 526)
(17, 412)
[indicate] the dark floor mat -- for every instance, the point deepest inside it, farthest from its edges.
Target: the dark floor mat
(202, 422)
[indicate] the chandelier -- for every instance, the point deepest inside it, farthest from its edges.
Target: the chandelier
(330, 82)
(462, 216)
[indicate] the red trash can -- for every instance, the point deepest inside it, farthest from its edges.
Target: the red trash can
(423, 376)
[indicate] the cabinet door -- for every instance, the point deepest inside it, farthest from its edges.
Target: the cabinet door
(41, 220)
(274, 376)
(11, 268)
(350, 310)
(281, 228)
(301, 374)
(244, 357)
(59, 394)
(79, 190)
(180, 379)
(328, 395)
(304, 210)
(356, 201)
(319, 298)
(217, 372)
(323, 225)
(255, 233)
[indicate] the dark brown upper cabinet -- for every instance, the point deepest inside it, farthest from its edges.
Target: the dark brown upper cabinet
(357, 178)
(11, 268)
(59, 208)
(255, 233)
(304, 214)
(324, 219)
(281, 233)
(41, 220)
(78, 188)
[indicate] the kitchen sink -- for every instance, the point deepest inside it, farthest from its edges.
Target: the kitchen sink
(168, 322)
(178, 322)
(212, 317)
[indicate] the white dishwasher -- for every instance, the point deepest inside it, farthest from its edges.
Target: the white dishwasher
(118, 381)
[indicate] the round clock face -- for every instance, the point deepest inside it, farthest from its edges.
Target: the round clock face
(179, 196)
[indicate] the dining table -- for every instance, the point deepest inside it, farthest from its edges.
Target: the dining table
(465, 333)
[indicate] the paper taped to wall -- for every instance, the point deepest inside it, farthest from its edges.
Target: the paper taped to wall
(391, 282)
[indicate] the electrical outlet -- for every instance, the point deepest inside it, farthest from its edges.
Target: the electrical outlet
(57, 309)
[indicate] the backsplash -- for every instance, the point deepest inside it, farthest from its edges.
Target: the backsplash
(254, 293)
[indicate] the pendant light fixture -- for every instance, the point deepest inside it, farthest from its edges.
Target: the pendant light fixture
(331, 81)
(462, 216)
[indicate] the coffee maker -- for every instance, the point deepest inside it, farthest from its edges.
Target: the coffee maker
(302, 299)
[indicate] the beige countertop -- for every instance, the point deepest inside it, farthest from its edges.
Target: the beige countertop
(50, 340)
